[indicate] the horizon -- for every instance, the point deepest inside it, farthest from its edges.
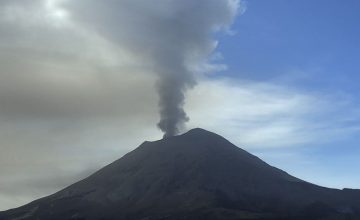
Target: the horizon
(80, 86)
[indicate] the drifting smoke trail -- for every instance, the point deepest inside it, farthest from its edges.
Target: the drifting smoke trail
(173, 37)
(187, 45)
(172, 99)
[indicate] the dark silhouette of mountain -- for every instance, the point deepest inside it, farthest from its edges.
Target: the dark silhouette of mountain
(197, 175)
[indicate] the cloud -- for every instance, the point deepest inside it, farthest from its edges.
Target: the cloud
(173, 38)
(67, 93)
(266, 115)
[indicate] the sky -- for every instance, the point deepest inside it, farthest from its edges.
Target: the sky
(78, 84)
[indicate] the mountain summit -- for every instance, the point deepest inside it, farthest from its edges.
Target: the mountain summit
(197, 175)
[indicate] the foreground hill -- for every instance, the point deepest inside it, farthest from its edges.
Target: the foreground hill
(197, 175)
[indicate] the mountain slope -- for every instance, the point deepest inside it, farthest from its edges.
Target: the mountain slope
(197, 175)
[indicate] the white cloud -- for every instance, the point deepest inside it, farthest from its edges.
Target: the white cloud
(263, 115)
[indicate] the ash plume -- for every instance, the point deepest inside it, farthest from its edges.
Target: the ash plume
(171, 89)
(171, 38)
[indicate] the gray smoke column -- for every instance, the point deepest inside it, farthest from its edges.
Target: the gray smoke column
(172, 98)
(171, 38)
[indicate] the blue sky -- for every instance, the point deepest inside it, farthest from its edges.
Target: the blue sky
(312, 47)
(274, 37)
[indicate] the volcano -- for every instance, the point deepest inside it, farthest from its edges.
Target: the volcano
(197, 175)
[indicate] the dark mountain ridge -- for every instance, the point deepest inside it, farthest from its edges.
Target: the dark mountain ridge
(197, 175)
